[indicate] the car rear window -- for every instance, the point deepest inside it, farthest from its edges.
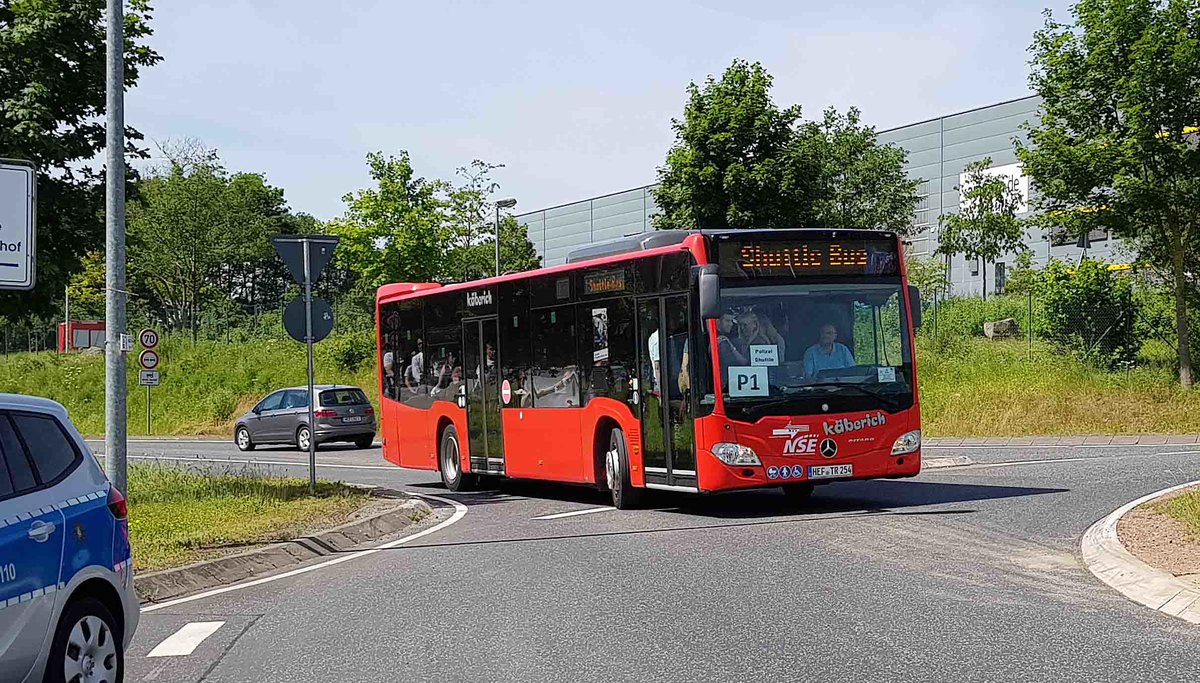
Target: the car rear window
(343, 397)
(52, 451)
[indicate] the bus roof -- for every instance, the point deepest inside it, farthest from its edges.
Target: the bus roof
(620, 249)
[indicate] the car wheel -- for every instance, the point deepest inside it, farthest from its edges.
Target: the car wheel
(450, 462)
(86, 646)
(798, 493)
(303, 435)
(364, 442)
(616, 472)
(243, 440)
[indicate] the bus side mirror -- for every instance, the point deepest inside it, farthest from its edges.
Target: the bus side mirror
(710, 293)
(914, 301)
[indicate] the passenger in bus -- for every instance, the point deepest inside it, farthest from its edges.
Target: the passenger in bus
(827, 353)
(416, 368)
(757, 330)
(727, 350)
(389, 375)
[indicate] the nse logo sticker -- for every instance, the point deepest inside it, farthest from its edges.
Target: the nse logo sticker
(799, 441)
(843, 425)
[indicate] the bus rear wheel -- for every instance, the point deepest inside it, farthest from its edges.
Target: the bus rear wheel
(616, 472)
(450, 462)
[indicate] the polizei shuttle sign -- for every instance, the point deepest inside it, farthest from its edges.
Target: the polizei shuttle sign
(18, 246)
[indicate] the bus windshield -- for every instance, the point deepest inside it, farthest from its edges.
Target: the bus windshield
(802, 348)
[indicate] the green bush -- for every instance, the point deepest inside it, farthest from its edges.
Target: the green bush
(350, 351)
(1088, 310)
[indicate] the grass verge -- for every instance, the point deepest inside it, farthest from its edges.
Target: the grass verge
(179, 515)
(980, 387)
(1184, 507)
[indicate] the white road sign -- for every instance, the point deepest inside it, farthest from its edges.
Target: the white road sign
(148, 378)
(18, 245)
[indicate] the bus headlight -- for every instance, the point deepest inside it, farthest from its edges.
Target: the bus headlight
(907, 443)
(735, 454)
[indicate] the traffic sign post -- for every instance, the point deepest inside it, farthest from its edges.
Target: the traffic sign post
(148, 359)
(306, 257)
(18, 224)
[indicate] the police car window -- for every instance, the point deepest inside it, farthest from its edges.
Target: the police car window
(52, 452)
(272, 402)
(17, 466)
(295, 399)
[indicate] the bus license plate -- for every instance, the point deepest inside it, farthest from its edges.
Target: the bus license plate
(830, 471)
(352, 419)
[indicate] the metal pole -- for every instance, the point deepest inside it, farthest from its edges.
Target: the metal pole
(497, 239)
(114, 243)
(67, 315)
(308, 337)
(147, 410)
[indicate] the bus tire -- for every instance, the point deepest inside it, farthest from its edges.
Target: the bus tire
(798, 494)
(450, 462)
(616, 472)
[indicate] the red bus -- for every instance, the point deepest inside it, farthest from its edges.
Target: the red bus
(677, 360)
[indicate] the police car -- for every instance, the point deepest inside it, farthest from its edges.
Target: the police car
(67, 605)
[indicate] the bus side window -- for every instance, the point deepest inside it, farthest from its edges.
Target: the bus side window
(553, 378)
(607, 349)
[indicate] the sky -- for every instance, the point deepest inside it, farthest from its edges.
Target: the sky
(575, 99)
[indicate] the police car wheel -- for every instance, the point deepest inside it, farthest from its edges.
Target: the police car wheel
(303, 435)
(798, 493)
(86, 646)
(243, 440)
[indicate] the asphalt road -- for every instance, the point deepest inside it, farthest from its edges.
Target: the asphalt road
(965, 574)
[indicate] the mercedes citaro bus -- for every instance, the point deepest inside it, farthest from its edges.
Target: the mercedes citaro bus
(676, 360)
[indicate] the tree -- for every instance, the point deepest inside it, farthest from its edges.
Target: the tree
(1115, 146)
(986, 225)
(860, 184)
(199, 237)
(409, 229)
(726, 167)
(396, 231)
(471, 219)
(740, 161)
(52, 94)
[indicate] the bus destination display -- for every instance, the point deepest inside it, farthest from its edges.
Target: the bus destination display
(777, 258)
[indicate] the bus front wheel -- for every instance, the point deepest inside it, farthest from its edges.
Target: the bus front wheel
(616, 472)
(450, 462)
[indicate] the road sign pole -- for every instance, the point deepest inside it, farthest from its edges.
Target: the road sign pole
(147, 410)
(308, 340)
(114, 247)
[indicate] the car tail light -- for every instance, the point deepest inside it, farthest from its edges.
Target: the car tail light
(369, 411)
(325, 413)
(117, 504)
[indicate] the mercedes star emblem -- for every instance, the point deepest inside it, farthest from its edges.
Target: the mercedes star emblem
(828, 448)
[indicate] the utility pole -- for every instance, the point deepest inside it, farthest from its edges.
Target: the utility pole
(501, 204)
(67, 315)
(114, 249)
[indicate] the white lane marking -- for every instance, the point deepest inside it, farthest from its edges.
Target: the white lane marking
(1012, 463)
(460, 511)
(575, 513)
(237, 461)
(185, 641)
(1180, 453)
(947, 447)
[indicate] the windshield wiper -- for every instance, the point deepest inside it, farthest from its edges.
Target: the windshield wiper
(888, 401)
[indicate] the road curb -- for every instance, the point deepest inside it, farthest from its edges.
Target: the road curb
(939, 463)
(1108, 559)
(171, 583)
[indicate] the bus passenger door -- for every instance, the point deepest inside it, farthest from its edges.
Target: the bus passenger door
(481, 369)
(668, 454)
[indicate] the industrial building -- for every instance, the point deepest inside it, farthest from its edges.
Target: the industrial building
(938, 152)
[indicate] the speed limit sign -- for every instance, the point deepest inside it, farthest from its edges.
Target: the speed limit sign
(148, 338)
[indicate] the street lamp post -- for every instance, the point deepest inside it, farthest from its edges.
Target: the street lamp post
(501, 204)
